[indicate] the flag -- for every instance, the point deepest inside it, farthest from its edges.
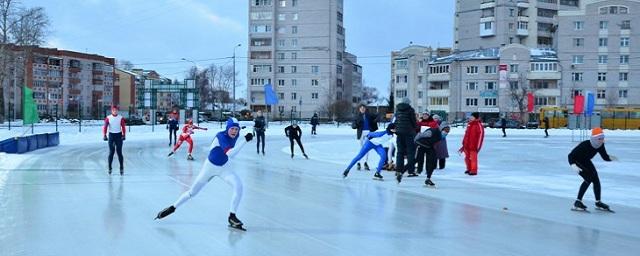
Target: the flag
(270, 97)
(530, 101)
(578, 104)
(589, 104)
(29, 107)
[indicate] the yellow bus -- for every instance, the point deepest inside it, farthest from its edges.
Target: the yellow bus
(621, 118)
(557, 116)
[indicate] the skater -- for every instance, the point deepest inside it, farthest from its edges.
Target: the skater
(426, 122)
(391, 152)
(580, 160)
(115, 124)
(314, 122)
(187, 130)
(259, 127)
(428, 140)
(293, 132)
(442, 152)
(375, 140)
(406, 125)
(364, 123)
(503, 125)
(472, 143)
(173, 126)
(546, 126)
(223, 148)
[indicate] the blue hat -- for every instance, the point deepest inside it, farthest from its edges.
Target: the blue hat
(232, 122)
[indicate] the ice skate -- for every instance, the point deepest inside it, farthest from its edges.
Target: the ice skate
(345, 173)
(398, 176)
(166, 212)
(171, 153)
(109, 170)
(121, 171)
(358, 167)
(305, 156)
(579, 206)
(377, 176)
(234, 222)
(263, 152)
(291, 156)
(189, 157)
(603, 207)
(412, 175)
(366, 167)
(429, 183)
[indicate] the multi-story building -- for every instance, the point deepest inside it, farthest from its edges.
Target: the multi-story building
(409, 73)
(64, 82)
(299, 48)
(497, 23)
(600, 52)
(471, 81)
(352, 79)
(125, 91)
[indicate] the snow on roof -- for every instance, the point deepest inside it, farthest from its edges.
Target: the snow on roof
(543, 54)
(479, 54)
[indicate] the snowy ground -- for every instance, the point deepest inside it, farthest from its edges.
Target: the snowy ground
(59, 201)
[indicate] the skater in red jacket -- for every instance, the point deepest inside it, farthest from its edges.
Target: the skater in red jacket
(472, 143)
(187, 130)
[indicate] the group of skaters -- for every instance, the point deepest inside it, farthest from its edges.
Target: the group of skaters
(424, 140)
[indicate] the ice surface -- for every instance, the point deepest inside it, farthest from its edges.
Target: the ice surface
(60, 201)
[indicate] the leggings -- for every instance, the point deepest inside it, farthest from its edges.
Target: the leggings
(173, 132)
(363, 140)
(590, 175)
(297, 139)
(115, 145)
(368, 146)
(207, 173)
(259, 137)
(188, 139)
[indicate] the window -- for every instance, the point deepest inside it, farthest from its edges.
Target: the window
(280, 82)
(280, 69)
(294, 16)
(623, 94)
(261, 68)
(626, 24)
(262, 2)
(624, 42)
(472, 86)
(282, 30)
(544, 66)
(314, 95)
(401, 64)
(282, 3)
(490, 69)
(602, 76)
(281, 42)
(339, 55)
(294, 42)
(340, 30)
(513, 68)
(294, 82)
(339, 69)
(281, 56)
(281, 108)
(601, 94)
(578, 42)
(294, 69)
(510, 26)
(397, 79)
(339, 14)
(294, 29)
(578, 25)
(282, 17)
(315, 69)
(261, 15)
(603, 42)
(511, 12)
(576, 76)
(472, 70)
(261, 28)
(490, 85)
(419, 94)
(419, 79)
(623, 76)
(490, 101)
(603, 59)
(576, 93)
(604, 25)
(472, 101)
(440, 101)
(294, 2)
(513, 85)
(294, 96)
(488, 25)
(541, 101)
(294, 56)
(315, 82)
(624, 59)
(406, 79)
(578, 59)
(401, 93)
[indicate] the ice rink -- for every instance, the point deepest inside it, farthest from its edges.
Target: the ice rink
(60, 201)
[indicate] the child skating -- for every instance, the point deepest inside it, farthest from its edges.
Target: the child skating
(223, 148)
(376, 141)
(293, 132)
(187, 130)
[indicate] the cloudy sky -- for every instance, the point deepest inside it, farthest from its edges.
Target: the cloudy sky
(156, 34)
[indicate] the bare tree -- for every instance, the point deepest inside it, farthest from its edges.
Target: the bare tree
(370, 94)
(518, 93)
(338, 110)
(31, 27)
(126, 65)
(611, 99)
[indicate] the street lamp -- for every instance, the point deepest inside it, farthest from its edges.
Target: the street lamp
(233, 112)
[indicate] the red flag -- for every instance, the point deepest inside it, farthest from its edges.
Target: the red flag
(578, 104)
(530, 102)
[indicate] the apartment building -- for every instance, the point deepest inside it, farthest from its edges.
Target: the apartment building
(125, 91)
(299, 48)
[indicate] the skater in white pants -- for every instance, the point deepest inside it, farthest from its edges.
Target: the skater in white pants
(222, 149)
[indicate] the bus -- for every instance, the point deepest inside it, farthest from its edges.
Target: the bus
(620, 118)
(558, 116)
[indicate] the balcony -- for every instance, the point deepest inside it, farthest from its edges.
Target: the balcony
(439, 93)
(487, 4)
(97, 72)
(523, 3)
(97, 81)
(438, 77)
(73, 80)
(486, 32)
(74, 69)
(544, 75)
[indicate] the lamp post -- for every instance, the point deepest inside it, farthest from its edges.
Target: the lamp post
(233, 112)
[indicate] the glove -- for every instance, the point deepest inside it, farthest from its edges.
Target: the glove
(248, 137)
(206, 129)
(123, 137)
(105, 138)
(461, 150)
(576, 168)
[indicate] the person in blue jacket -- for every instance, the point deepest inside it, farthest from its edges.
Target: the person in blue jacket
(222, 149)
(377, 141)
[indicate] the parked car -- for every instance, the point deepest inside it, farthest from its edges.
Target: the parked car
(133, 121)
(511, 124)
(459, 123)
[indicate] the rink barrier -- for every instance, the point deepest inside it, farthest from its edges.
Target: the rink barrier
(23, 144)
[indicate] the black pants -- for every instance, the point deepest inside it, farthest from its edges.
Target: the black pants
(545, 132)
(406, 147)
(297, 139)
(259, 137)
(441, 163)
(173, 132)
(313, 129)
(504, 132)
(115, 145)
(590, 175)
(427, 158)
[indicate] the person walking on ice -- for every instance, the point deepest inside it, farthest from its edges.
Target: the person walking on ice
(580, 160)
(187, 130)
(375, 140)
(293, 132)
(223, 148)
(115, 125)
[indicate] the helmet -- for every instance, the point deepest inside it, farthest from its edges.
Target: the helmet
(189, 121)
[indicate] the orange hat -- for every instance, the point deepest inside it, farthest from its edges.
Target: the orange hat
(597, 132)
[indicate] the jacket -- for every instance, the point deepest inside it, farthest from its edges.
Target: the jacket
(314, 120)
(293, 133)
(405, 119)
(429, 138)
(473, 136)
(259, 124)
(358, 123)
(584, 152)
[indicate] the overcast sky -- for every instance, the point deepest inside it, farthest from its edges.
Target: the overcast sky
(156, 34)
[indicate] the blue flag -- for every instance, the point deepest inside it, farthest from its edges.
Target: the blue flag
(589, 104)
(270, 97)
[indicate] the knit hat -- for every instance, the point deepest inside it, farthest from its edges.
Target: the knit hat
(436, 116)
(476, 115)
(232, 122)
(597, 133)
(443, 125)
(406, 100)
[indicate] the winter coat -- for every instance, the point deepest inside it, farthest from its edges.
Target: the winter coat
(429, 138)
(504, 123)
(429, 122)
(405, 120)
(473, 136)
(584, 152)
(442, 151)
(546, 123)
(173, 124)
(259, 124)
(358, 123)
(314, 120)
(292, 132)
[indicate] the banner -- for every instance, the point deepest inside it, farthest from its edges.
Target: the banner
(270, 97)
(29, 107)
(578, 104)
(590, 103)
(530, 102)
(502, 71)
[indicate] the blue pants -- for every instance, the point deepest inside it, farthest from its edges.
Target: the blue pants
(366, 148)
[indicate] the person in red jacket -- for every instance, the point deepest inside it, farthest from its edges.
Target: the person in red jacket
(472, 143)
(187, 130)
